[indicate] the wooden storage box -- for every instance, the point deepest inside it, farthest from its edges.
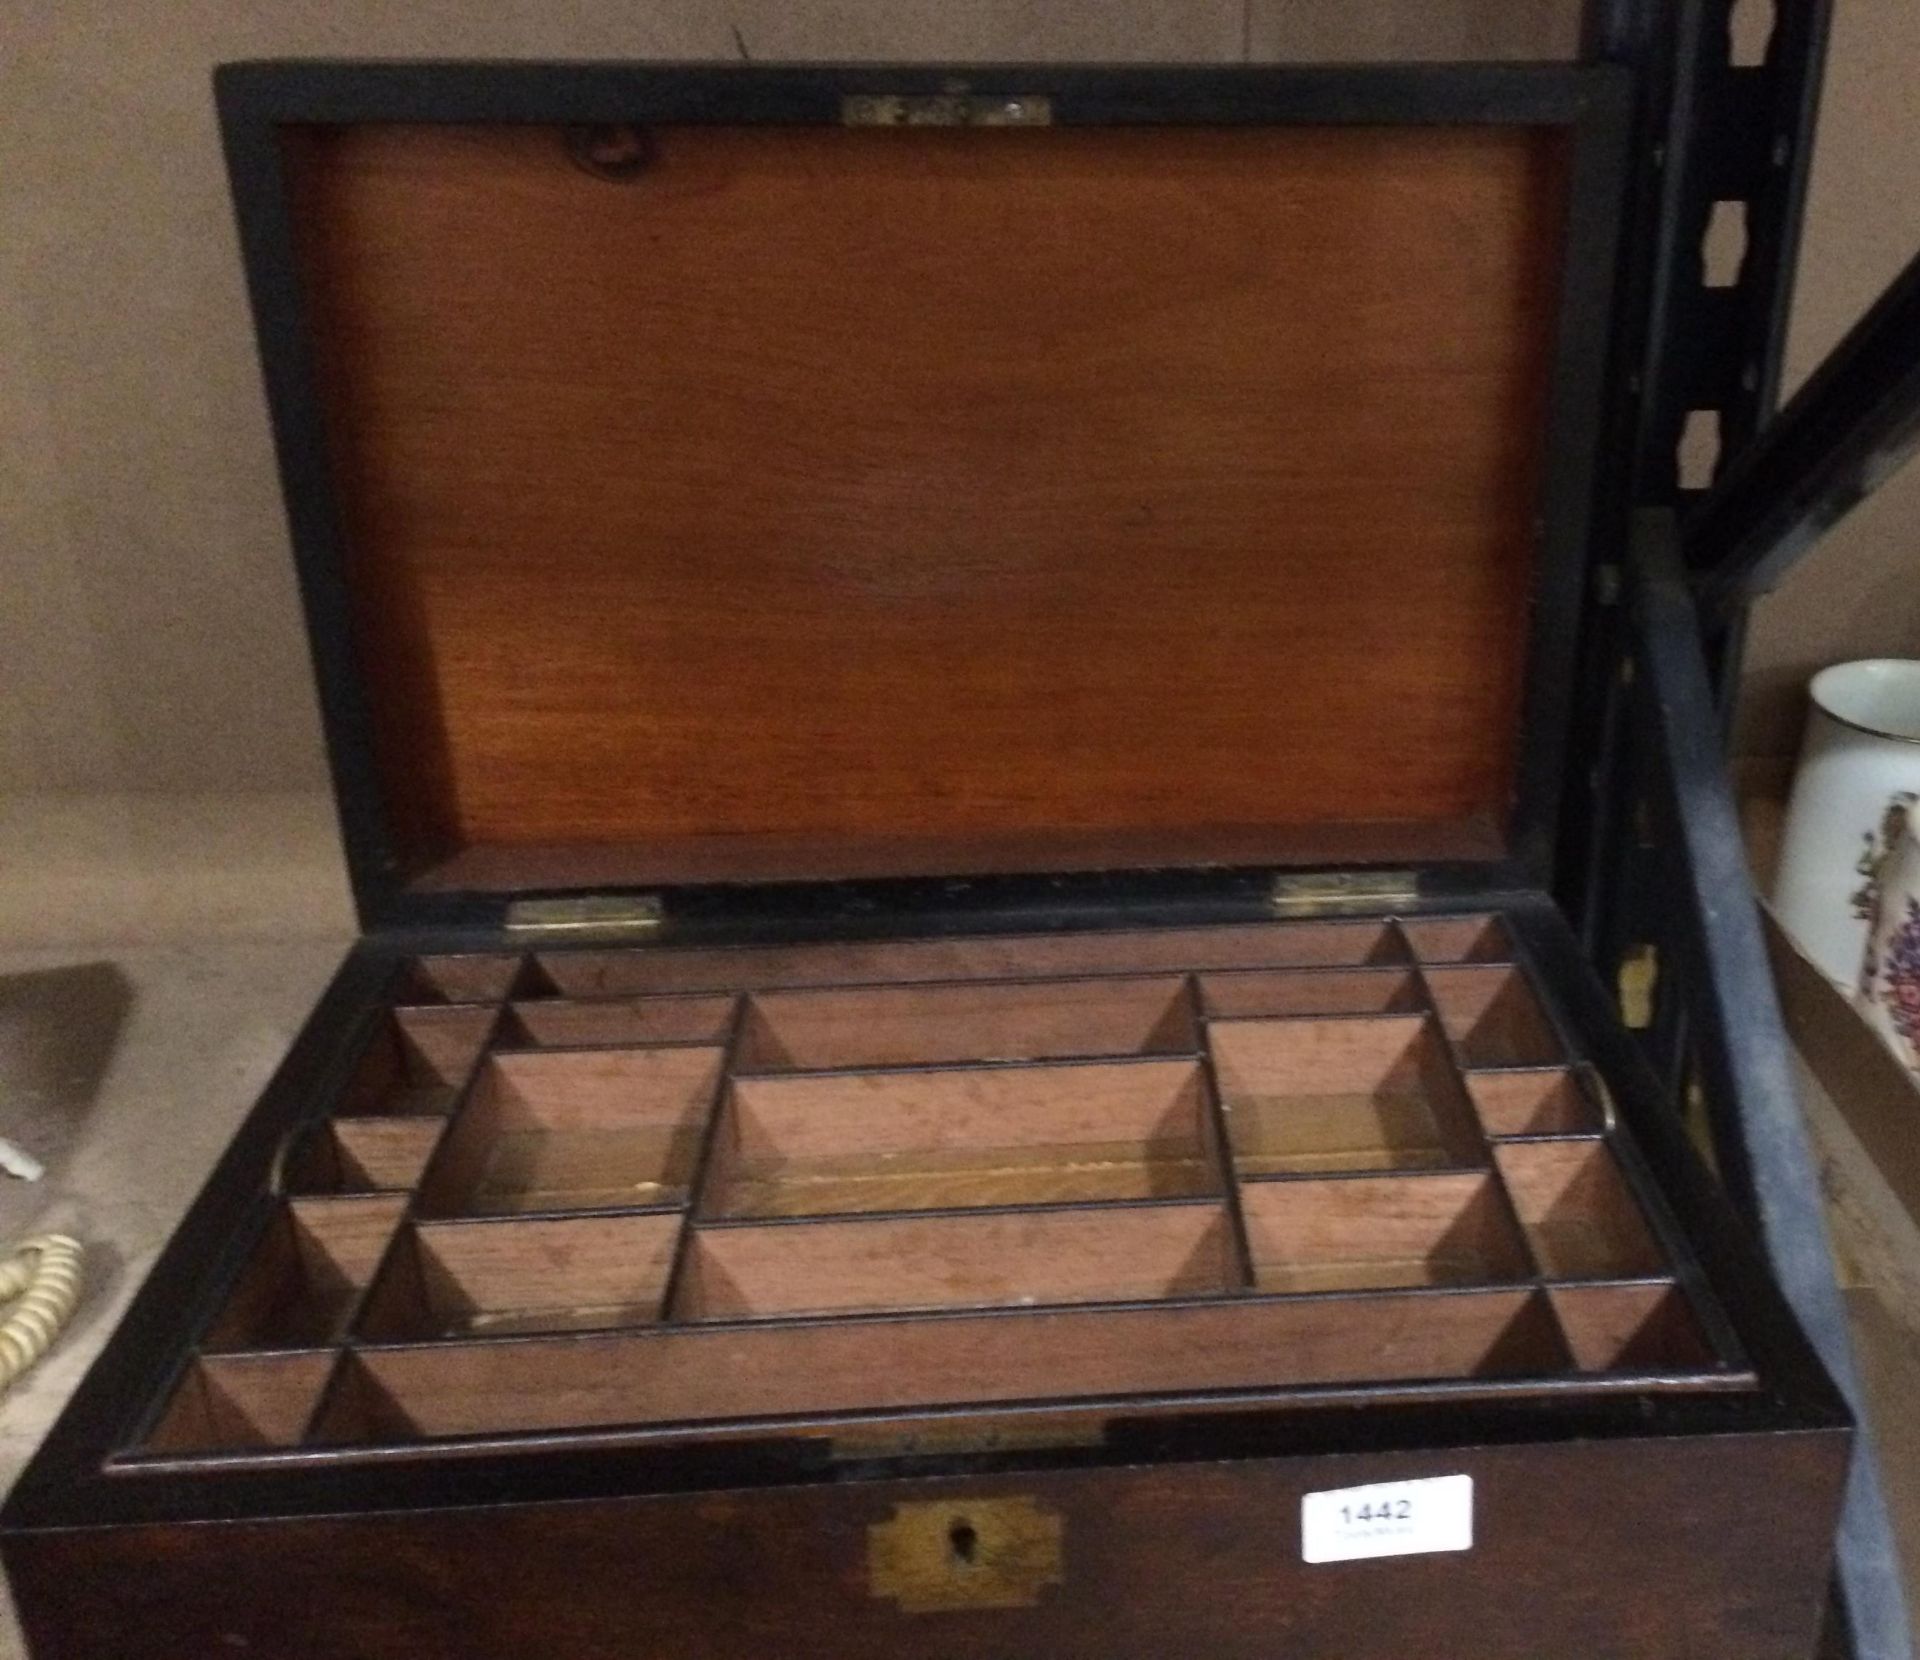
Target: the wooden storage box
(949, 699)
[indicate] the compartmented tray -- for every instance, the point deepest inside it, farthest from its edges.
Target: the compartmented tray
(668, 1189)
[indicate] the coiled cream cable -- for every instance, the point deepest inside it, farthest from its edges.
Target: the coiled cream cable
(43, 1273)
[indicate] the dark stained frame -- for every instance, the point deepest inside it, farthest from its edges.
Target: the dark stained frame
(1711, 130)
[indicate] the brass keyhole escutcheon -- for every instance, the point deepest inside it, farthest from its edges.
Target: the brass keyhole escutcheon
(984, 1553)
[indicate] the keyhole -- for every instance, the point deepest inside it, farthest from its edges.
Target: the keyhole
(963, 1541)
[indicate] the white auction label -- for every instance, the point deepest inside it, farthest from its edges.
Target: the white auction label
(1393, 1518)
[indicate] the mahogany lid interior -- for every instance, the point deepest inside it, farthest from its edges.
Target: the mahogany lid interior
(826, 502)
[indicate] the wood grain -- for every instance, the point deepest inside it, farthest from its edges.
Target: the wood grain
(1458, 939)
(872, 1141)
(1579, 1213)
(1254, 993)
(364, 1155)
(896, 1025)
(1046, 1106)
(591, 1088)
(1374, 1092)
(563, 1129)
(673, 1374)
(555, 1274)
(823, 496)
(1714, 1548)
(601, 973)
(347, 1233)
(459, 977)
(439, 1046)
(1494, 1017)
(1624, 1327)
(556, 1021)
(232, 1401)
(416, 1061)
(962, 1260)
(1546, 1101)
(1380, 1231)
(306, 1271)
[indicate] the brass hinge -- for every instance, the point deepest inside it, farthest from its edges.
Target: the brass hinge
(944, 109)
(584, 914)
(1332, 892)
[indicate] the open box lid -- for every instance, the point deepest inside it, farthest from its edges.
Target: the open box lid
(734, 475)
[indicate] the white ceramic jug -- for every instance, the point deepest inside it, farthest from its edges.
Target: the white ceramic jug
(1859, 775)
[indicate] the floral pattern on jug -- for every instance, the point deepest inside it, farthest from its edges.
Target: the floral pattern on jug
(1889, 985)
(1899, 978)
(1873, 861)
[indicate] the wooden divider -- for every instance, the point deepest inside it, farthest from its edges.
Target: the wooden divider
(610, 1188)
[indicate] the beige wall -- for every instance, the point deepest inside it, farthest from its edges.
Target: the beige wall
(1858, 595)
(149, 637)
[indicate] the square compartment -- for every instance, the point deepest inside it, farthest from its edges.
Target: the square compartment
(1550, 1101)
(1580, 1215)
(363, 1155)
(233, 1402)
(472, 1279)
(464, 977)
(1631, 1328)
(993, 1259)
(600, 1023)
(1367, 1233)
(306, 1273)
(417, 1062)
(575, 1129)
(796, 1031)
(1367, 1093)
(1458, 939)
(357, 1409)
(1253, 994)
(1357, 944)
(874, 1141)
(1494, 1018)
